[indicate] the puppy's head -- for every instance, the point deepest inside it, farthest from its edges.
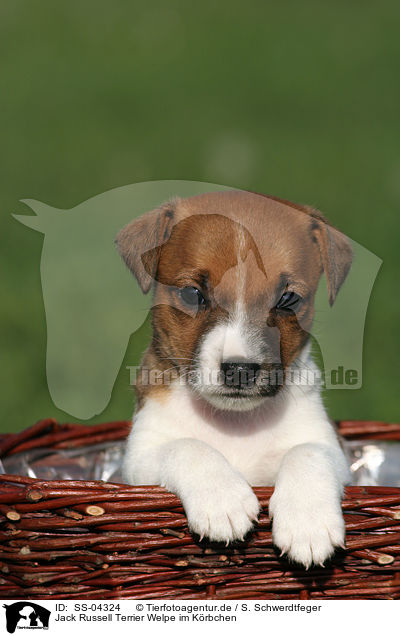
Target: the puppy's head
(234, 276)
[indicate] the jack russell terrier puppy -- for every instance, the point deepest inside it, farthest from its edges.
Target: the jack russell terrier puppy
(234, 275)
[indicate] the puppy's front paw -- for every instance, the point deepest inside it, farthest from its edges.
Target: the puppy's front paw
(224, 510)
(305, 527)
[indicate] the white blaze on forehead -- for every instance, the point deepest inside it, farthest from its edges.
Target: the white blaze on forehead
(241, 268)
(235, 337)
(230, 293)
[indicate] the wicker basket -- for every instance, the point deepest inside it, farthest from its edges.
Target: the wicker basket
(97, 540)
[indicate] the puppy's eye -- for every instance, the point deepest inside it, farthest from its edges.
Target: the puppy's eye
(289, 301)
(192, 297)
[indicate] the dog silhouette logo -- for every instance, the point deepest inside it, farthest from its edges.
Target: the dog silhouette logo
(26, 615)
(93, 304)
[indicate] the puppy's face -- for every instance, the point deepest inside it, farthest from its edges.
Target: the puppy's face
(235, 278)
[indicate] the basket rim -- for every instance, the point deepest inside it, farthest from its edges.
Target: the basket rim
(52, 434)
(94, 539)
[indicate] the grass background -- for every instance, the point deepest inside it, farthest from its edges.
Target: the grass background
(296, 99)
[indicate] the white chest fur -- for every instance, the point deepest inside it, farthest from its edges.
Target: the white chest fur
(209, 458)
(254, 442)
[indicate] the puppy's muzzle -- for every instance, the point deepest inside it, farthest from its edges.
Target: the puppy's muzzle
(239, 374)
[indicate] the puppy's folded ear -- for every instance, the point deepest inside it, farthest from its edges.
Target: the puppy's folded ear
(140, 242)
(336, 253)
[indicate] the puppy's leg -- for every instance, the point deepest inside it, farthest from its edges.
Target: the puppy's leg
(218, 501)
(306, 503)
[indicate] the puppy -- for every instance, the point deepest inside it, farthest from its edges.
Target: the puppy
(234, 275)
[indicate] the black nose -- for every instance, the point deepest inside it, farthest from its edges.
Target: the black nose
(238, 374)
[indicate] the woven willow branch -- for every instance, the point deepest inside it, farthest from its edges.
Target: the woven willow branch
(88, 539)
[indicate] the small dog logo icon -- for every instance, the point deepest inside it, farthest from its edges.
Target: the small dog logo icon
(26, 615)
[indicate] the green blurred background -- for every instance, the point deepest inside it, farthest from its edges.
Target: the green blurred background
(297, 99)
